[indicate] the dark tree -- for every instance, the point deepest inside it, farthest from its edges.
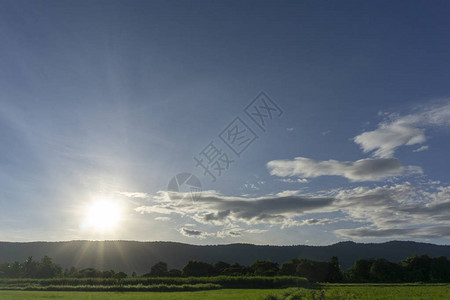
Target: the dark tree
(47, 269)
(220, 267)
(72, 272)
(289, 267)
(120, 275)
(314, 271)
(360, 271)
(440, 269)
(383, 270)
(334, 271)
(15, 270)
(418, 268)
(236, 270)
(159, 270)
(90, 273)
(198, 268)
(264, 268)
(30, 268)
(109, 274)
(174, 273)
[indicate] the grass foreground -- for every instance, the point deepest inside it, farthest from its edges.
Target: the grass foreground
(157, 284)
(225, 294)
(327, 291)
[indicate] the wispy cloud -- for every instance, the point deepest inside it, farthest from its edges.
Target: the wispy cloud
(361, 170)
(134, 194)
(228, 233)
(399, 131)
(256, 230)
(420, 149)
(298, 180)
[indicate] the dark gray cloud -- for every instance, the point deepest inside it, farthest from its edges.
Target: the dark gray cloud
(219, 216)
(434, 209)
(374, 233)
(259, 210)
(191, 232)
(211, 207)
(317, 221)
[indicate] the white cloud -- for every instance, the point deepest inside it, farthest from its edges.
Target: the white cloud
(228, 233)
(163, 219)
(251, 186)
(388, 137)
(361, 170)
(256, 230)
(420, 149)
(288, 193)
(290, 129)
(402, 131)
(290, 180)
(134, 194)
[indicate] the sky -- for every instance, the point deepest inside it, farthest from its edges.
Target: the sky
(215, 122)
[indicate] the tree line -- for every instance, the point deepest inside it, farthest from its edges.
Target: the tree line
(413, 269)
(46, 268)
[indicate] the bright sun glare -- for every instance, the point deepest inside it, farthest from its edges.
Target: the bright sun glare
(102, 215)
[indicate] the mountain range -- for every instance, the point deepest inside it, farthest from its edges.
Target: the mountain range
(129, 256)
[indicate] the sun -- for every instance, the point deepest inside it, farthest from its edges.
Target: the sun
(103, 215)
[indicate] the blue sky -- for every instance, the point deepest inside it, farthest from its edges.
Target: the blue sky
(108, 100)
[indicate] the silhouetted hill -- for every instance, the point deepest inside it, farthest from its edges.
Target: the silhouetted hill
(131, 256)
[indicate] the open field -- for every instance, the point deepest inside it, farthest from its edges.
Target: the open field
(237, 294)
(328, 291)
(157, 284)
(367, 291)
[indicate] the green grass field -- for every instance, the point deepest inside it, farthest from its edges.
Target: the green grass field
(232, 294)
(329, 291)
(369, 292)
(156, 284)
